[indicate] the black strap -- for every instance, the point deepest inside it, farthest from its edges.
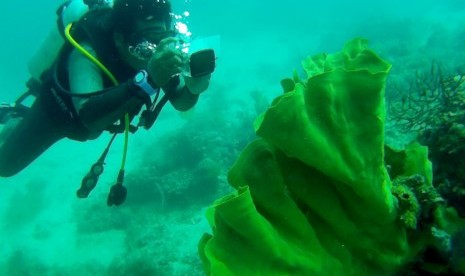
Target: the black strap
(59, 12)
(149, 116)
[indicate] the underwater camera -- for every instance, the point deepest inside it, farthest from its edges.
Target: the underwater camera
(202, 63)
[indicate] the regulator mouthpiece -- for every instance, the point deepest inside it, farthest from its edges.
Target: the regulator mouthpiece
(143, 50)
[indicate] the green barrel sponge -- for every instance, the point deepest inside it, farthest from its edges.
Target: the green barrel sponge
(313, 193)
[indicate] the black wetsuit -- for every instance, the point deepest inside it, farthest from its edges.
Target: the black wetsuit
(53, 116)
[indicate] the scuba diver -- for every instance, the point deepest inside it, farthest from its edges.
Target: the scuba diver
(115, 60)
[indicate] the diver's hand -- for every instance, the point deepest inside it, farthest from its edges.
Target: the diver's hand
(166, 62)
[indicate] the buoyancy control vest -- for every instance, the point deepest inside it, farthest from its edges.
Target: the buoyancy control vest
(93, 30)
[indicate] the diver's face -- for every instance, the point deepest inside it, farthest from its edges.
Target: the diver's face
(148, 30)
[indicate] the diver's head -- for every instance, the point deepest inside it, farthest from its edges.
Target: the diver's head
(138, 26)
(127, 13)
(95, 4)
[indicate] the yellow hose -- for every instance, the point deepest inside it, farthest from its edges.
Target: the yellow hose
(88, 55)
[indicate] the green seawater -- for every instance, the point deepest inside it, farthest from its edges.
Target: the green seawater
(179, 167)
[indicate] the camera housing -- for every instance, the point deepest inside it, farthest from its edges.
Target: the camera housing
(202, 63)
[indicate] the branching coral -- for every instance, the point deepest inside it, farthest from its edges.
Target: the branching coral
(433, 108)
(431, 99)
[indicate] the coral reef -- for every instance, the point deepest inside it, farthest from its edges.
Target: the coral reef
(188, 165)
(433, 109)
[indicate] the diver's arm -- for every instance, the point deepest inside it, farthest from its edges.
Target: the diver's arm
(84, 75)
(103, 110)
(182, 93)
(98, 112)
(165, 69)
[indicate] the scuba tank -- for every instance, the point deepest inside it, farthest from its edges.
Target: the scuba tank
(69, 12)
